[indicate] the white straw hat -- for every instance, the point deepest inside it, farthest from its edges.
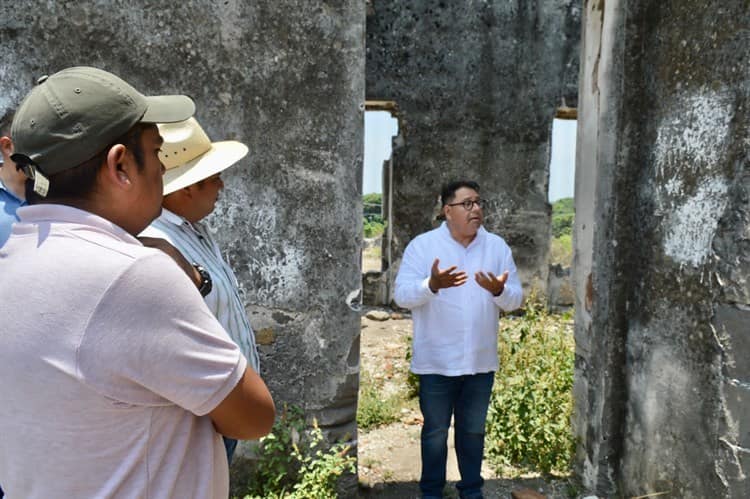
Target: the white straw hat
(189, 155)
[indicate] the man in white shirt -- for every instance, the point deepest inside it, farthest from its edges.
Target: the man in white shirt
(456, 323)
(192, 184)
(116, 380)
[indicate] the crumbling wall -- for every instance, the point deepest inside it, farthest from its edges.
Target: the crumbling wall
(287, 78)
(662, 249)
(477, 84)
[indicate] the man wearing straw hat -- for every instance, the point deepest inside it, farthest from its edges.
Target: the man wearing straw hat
(114, 376)
(192, 183)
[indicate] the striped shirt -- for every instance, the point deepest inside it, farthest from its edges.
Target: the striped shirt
(195, 242)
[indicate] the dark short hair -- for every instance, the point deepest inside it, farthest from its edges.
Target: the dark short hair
(448, 193)
(79, 181)
(5, 121)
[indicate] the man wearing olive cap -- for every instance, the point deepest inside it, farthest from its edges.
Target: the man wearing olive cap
(114, 376)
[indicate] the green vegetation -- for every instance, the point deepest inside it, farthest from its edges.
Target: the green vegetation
(373, 228)
(372, 408)
(561, 246)
(372, 219)
(528, 424)
(295, 463)
(563, 214)
(372, 205)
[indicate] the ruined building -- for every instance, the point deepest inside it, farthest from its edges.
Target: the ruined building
(662, 228)
(477, 85)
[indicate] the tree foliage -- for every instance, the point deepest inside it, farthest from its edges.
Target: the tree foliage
(373, 205)
(372, 219)
(563, 215)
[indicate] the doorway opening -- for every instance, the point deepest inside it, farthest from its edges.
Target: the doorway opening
(381, 127)
(560, 291)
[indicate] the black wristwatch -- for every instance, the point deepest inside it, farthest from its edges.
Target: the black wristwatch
(206, 283)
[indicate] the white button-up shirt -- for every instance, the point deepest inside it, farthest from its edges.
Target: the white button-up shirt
(194, 241)
(455, 329)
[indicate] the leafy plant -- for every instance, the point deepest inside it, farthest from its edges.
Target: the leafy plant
(294, 463)
(528, 422)
(320, 467)
(276, 466)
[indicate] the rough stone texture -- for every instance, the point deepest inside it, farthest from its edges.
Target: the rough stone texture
(560, 292)
(287, 78)
(477, 84)
(662, 249)
(374, 288)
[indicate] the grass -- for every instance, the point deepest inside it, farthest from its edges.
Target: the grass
(374, 408)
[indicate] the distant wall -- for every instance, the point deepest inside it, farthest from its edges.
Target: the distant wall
(662, 254)
(477, 85)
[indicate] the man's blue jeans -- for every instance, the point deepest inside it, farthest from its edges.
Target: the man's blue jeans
(467, 399)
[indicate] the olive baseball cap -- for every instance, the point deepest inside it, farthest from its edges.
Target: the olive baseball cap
(71, 116)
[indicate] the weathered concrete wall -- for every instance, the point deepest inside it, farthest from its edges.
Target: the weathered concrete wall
(560, 292)
(477, 84)
(662, 254)
(287, 78)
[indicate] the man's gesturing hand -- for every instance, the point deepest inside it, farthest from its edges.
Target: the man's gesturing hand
(488, 281)
(447, 278)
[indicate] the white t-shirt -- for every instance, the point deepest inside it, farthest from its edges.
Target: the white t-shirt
(109, 363)
(455, 329)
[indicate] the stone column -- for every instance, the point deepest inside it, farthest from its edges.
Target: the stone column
(287, 78)
(662, 254)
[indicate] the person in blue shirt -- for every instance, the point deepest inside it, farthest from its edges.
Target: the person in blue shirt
(12, 182)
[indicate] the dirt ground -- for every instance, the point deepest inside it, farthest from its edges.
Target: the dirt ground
(389, 462)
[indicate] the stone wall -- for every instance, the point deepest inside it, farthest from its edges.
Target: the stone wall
(560, 291)
(662, 252)
(287, 78)
(477, 85)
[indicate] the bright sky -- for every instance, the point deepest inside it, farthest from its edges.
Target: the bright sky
(562, 165)
(380, 127)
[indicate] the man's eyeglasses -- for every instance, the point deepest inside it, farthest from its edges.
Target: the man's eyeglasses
(468, 204)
